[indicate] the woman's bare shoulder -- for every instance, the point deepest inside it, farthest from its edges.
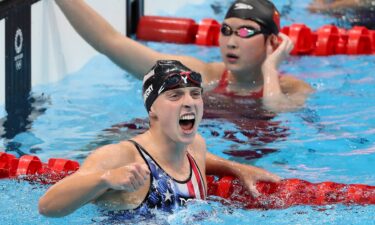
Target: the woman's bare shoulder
(214, 71)
(291, 84)
(111, 156)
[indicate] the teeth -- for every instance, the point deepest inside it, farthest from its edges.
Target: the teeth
(187, 117)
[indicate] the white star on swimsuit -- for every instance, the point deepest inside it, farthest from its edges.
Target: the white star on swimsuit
(168, 196)
(155, 183)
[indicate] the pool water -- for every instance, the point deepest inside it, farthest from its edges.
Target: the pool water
(331, 138)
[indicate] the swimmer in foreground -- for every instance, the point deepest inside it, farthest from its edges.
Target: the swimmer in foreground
(249, 47)
(162, 168)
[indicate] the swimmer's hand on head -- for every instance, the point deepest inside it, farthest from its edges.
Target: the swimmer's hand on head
(281, 93)
(127, 178)
(277, 52)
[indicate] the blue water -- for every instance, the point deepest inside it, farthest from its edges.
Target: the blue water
(332, 138)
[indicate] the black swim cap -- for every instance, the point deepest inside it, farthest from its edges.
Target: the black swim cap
(167, 75)
(263, 12)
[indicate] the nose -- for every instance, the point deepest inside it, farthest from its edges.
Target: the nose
(232, 42)
(188, 101)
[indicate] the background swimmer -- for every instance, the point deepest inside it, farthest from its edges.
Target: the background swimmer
(348, 12)
(248, 43)
(328, 5)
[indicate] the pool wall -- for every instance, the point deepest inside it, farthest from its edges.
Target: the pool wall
(164, 7)
(57, 50)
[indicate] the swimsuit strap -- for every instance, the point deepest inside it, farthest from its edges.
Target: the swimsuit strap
(198, 176)
(154, 165)
(223, 84)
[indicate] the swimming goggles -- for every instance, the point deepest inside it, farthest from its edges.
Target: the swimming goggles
(183, 79)
(242, 32)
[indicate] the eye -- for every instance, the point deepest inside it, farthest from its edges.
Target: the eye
(196, 93)
(246, 31)
(226, 30)
(173, 95)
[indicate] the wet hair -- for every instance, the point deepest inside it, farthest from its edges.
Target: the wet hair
(167, 75)
(263, 12)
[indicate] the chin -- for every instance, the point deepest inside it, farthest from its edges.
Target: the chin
(187, 140)
(233, 67)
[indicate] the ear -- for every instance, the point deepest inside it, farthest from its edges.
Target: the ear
(274, 41)
(151, 113)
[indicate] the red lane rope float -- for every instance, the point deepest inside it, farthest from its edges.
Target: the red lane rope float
(302, 37)
(291, 192)
(287, 193)
(359, 41)
(327, 40)
(208, 33)
(31, 168)
(164, 29)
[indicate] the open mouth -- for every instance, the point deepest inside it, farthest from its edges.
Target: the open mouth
(232, 57)
(187, 122)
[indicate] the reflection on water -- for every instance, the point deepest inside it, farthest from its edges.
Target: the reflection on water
(254, 126)
(19, 119)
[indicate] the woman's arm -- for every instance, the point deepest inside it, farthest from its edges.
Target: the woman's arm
(71, 193)
(249, 175)
(130, 55)
(98, 174)
(286, 93)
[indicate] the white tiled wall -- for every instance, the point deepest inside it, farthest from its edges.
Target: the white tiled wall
(154, 7)
(57, 50)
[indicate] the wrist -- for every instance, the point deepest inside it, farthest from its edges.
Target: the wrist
(241, 171)
(269, 70)
(104, 179)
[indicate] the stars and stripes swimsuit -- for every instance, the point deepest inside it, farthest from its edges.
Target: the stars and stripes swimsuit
(165, 192)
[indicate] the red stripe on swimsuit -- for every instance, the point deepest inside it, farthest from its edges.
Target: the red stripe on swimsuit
(199, 178)
(223, 85)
